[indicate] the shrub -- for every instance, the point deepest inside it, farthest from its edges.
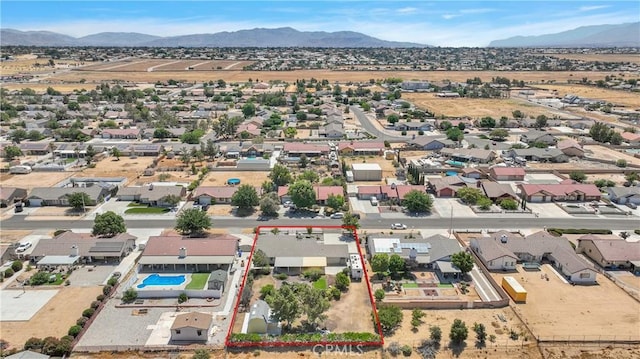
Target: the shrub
(312, 274)
(74, 330)
(282, 276)
(16, 266)
(33, 343)
(267, 290)
(201, 354)
(435, 333)
(336, 293)
(182, 298)
(621, 163)
(130, 295)
(82, 321)
(59, 232)
(342, 281)
(106, 290)
(29, 268)
(95, 304)
(406, 350)
(8, 273)
(100, 297)
(420, 132)
(112, 281)
(88, 313)
(394, 348)
(379, 294)
(39, 278)
(404, 133)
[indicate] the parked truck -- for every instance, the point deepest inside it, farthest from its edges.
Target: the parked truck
(514, 289)
(20, 169)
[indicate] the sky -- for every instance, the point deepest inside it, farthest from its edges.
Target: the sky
(446, 23)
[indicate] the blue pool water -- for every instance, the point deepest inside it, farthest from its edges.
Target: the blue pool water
(156, 279)
(451, 173)
(455, 163)
(233, 181)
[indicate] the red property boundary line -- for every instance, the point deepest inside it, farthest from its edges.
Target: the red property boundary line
(230, 344)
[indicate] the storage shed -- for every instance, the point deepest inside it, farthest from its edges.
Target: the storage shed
(515, 290)
(366, 172)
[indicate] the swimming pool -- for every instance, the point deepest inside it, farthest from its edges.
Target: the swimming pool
(233, 181)
(157, 279)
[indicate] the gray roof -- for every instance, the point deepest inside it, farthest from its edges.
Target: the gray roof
(54, 193)
(494, 189)
(152, 193)
(619, 192)
(469, 153)
(218, 276)
(425, 140)
(260, 309)
(28, 354)
(290, 246)
(429, 250)
(87, 244)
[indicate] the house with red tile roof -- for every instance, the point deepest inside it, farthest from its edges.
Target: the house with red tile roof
(297, 149)
(322, 193)
(564, 191)
(507, 173)
(181, 254)
(570, 148)
(631, 138)
(360, 148)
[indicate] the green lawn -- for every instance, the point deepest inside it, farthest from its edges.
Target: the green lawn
(146, 210)
(136, 204)
(320, 283)
(70, 160)
(409, 285)
(445, 285)
(58, 280)
(198, 281)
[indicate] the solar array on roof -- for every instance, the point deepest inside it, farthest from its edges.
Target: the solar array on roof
(146, 147)
(394, 245)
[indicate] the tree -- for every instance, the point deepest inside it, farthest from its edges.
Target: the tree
(390, 317)
(632, 177)
(302, 193)
(481, 334)
(171, 200)
(416, 318)
(310, 176)
(192, 222)
(11, 152)
(90, 153)
(380, 263)
(484, 203)
(578, 176)
(249, 109)
(435, 333)
(201, 354)
(260, 258)
(517, 114)
(393, 118)
(269, 204)
(417, 201)
(35, 135)
(469, 195)
(280, 175)
(115, 152)
(304, 161)
(342, 281)
(455, 134)
(245, 197)
(462, 260)
(19, 135)
(290, 132)
(335, 201)
(108, 224)
(487, 122)
(285, 305)
(161, 133)
(509, 204)
(541, 122)
(350, 220)
(33, 343)
(499, 134)
(396, 264)
(78, 200)
(458, 332)
(314, 304)
(379, 294)
(616, 138)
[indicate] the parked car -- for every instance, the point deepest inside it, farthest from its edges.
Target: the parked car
(23, 247)
(287, 204)
(205, 207)
(632, 205)
(398, 226)
(337, 215)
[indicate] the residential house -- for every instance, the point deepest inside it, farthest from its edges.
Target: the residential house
(623, 195)
(331, 130)
(468, 154)
(365, 148)
(631, 138)
(248, 130)
(414, 126)
(10, 195)
(368, 192)
(191, 327)
(564, 191)
(416, 250)
(217, 282)
(59, 196)
(151, 149)
(498, 191)
(431, 143)
(533, 136)
(121, 133)
(539, 154)
(153, 195)
(216, 194)
(498, 173)
(446, 186)
(609, 253)
(260, 320)
(39, 148)
(180, 254)
(297, 149)
(415, 85)
(69, 248)
(570, 148)
(323, 193)
(294, 254)
(498, 251)
(471, 172)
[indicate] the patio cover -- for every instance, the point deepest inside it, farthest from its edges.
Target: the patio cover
(447, 267)
(58, 260)
(300, 262)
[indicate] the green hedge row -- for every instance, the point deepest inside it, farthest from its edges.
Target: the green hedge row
(560, 231)
(310, 337)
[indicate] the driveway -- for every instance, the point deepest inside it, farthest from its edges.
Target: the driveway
(444, 207)
(363, 206)
(548, 210)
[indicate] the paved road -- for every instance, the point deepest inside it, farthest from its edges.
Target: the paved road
(460, 224)
(366, 123)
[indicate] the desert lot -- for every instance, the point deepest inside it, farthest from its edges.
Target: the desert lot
(555, 309)
(625, 98)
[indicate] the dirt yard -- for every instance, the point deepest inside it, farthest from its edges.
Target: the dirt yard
(472, 107)
(557, 309)
(387, 165)
(54, 319)
(350, 313)
(624, 98)
(131, 168)
(11, 236)
(612, 155)
(34, 179)
(219, 178)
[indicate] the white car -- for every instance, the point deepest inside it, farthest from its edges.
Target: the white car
(23, 247)
(398, 226)
(337, 215)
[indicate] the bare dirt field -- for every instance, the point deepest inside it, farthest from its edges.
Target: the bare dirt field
(11, 236)
(633, 58)
(349, 313)
(624, 98)
(34, 179)
(27, 64)
(144, 76)
(474, 107)
(219, 178)
(54, 319)
(131, 168)
(613, 155)
(42, 87)
(555, 309)
(387, 165)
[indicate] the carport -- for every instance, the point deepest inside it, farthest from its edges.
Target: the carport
(56, 261)
(447, 270)
(294, 265)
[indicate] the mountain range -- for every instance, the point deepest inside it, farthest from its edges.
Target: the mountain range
(622, 35)
(279, 37)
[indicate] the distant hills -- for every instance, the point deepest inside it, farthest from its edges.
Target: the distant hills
(280, 37)
(622, 35)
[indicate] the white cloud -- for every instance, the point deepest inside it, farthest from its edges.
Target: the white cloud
(477, 11)
(450, 16)
(407, 10)
(593, 7)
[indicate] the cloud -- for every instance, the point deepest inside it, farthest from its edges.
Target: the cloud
(593, 7)
(407, 10)
(477, 11)
(450, 16)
